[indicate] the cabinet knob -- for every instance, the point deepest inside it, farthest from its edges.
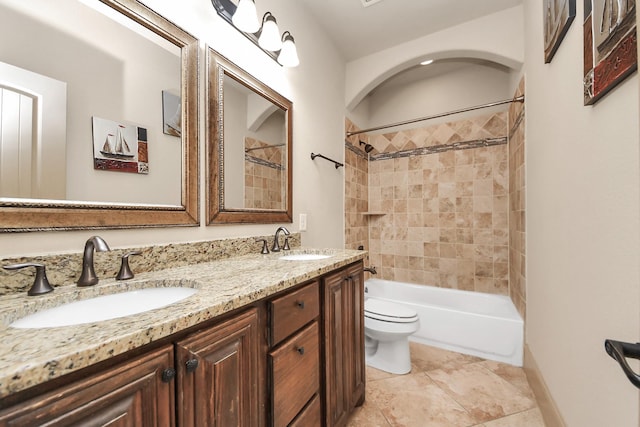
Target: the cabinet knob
(168, 374)
(300, 350)
(300, 304)
(192, 365)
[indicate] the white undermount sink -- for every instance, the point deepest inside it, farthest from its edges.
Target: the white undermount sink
(304, 257)
(104, 307)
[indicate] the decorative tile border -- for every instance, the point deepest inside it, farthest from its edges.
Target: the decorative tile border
(262, 162)
(435, 149)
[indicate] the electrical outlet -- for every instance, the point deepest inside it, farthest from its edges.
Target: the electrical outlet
(303, 222)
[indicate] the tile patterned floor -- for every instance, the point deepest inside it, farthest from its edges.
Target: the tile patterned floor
(447, 389)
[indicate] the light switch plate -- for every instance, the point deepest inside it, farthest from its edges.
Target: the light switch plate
(303, 222)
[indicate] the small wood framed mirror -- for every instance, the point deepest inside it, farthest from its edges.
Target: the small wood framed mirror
(249, 132)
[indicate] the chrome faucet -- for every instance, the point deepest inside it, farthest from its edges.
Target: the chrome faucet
(276, 245)
(88, 276)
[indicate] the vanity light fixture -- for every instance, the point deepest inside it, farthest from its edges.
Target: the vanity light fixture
(288, 54)
(269, 38)
(246, 17)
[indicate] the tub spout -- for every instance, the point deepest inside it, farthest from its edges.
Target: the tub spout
(371, 270)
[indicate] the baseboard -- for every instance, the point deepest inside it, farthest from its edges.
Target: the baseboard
(550, 412)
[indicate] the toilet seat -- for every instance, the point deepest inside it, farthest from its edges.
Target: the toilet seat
(388, 312)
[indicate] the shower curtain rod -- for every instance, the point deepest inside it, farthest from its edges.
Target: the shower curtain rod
(463, 110)
(246, 150)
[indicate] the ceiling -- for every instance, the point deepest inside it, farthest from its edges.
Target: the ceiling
(359, 31)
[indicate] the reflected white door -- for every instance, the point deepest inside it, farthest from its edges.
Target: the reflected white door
(33, 133)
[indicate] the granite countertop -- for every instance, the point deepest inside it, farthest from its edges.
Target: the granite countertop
(32, 356)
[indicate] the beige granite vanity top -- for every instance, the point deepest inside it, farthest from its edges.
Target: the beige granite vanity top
(32, 356)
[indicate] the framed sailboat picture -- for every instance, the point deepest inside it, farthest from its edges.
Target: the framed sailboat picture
(558, 16)
(119, 147)
(171, 114)
(610, 45)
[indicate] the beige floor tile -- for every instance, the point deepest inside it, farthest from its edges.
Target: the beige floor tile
(374, 374)
(450, 390)
(425, 358)
(530, 418)
(368, 415)
(481, 392)
(415, 401)
(514, 375)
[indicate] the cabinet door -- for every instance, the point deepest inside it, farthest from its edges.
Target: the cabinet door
(130, 394)
(344, 343)
(337, 344)
(218, 374)
(356, 366)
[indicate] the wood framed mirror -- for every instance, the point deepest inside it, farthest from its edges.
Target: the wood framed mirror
(118, 64)
(249, 131)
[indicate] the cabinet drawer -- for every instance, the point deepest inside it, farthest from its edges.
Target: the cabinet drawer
(295, 368)
(292, 311)
(311, 415)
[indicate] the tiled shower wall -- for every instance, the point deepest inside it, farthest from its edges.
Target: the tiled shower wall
(264, 180)
(356, 196)
(438, 204)
(517, 223)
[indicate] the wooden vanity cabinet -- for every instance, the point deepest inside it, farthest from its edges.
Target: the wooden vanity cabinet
(219, 377)
(344, 364)
(139, 392)
(294, 359)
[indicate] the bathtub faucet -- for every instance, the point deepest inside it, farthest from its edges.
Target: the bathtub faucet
(371, 270)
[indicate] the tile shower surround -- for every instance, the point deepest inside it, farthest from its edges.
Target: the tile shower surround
(263, 175)
(517, 206)
(437, 199)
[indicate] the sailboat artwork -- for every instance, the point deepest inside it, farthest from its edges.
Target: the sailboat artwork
(119, 147)
(120, 150)
(610, 46)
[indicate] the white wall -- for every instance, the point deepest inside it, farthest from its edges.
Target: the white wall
(464, 86)
(316, 88)
(496, 37)
(583, 214)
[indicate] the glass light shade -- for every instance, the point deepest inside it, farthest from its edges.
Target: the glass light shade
(246, 17)
(288, 54)
(270, 35)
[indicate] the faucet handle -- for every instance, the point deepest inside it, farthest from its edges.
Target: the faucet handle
(265, 247)
(40, 284)
(286, 244)
(125, 272)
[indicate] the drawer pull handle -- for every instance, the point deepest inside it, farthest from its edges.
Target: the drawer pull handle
(168, 374)
(300, 350)
(300, 304)
(191, 365)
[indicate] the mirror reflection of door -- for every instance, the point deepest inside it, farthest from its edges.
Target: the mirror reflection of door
(32, 135)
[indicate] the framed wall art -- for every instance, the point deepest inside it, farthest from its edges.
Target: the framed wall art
(558, 16)
(610, 40)
(171, 114)
(119, 147)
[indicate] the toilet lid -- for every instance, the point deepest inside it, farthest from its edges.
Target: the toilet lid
(388, 311)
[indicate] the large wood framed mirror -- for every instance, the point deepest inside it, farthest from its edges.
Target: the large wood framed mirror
(99, 117)
(249, 130)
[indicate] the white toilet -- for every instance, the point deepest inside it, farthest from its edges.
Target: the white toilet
(387, 327)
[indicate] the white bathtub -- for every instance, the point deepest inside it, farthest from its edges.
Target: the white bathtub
(483, 325)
